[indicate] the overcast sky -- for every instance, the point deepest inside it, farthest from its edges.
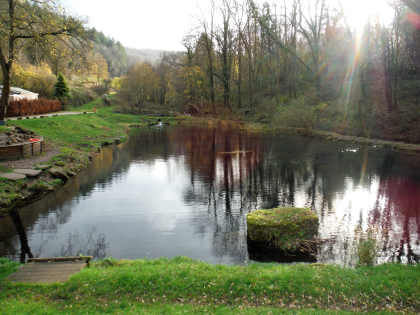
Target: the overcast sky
(156, 24)
(161, 24)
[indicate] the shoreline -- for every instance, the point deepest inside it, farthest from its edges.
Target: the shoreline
(249, 126)
(31, 190)
(70, 164)
(74, 169)
(333, 136)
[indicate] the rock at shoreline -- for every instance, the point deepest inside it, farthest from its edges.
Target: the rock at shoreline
(12, 176)
(28, 172)
(43, 166)
(287, 229)
(71, 173)
(59, 173)
(16, 135)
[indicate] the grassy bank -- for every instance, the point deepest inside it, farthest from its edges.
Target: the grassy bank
(333, 136)
(86, 132)
(76, 139)
(182, 285)
(327, 135)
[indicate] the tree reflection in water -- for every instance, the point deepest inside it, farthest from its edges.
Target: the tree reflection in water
(235, 172)
(25, 250)
(46, 216)
(88, 244)
(224, 174)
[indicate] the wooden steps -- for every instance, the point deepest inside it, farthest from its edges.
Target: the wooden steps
(49, 270)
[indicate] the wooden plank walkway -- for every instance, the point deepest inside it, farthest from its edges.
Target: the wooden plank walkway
(49, 270)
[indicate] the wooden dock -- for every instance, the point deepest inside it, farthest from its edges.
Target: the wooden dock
(49, 270)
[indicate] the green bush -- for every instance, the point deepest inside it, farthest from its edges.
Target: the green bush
(61, 90)
(367, 252)
(296, 114)
(81, 96)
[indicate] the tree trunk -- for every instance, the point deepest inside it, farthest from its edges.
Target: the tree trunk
(226, 78)
(226, 47)
(4, 101)
(211, 78)
(239, 82)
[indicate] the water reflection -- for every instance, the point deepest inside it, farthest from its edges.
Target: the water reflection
(46, 217)
(25, 250)
(89, 244)
(186, 191)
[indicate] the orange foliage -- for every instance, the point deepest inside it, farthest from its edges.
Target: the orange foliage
(33, 107)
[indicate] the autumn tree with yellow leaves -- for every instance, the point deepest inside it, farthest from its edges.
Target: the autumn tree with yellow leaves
(30, 20)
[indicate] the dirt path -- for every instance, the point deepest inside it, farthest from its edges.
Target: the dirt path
(50, 115)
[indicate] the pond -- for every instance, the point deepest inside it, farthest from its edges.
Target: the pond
(185, 191)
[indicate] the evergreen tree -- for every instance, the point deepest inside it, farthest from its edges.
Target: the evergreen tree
(61, 89)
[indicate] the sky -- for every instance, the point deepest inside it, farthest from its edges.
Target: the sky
(153, 24)
(162, 24)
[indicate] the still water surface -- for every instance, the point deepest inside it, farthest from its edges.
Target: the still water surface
(186, 192)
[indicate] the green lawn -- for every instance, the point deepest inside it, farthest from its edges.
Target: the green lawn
(85, 131)
(182, 285)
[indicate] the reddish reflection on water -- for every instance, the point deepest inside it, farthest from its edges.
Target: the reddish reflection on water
(355, 190)
(397, 212)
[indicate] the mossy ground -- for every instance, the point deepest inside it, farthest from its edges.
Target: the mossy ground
(10, 191)
(5, 169)
(283, 228)
(3, 129)
(182, 285)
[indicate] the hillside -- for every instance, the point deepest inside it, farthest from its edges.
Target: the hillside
(144, 55)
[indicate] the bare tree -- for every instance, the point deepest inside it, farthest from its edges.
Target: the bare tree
(224, 39)
(34, 20)
(312, 24)
(209, 47)
(392, 46)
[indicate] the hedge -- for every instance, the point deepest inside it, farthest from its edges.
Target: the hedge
(33, 107)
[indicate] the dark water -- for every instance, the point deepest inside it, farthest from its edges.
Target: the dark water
(186, 192)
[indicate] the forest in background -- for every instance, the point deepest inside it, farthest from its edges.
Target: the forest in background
(88, 70)
(295, 63)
